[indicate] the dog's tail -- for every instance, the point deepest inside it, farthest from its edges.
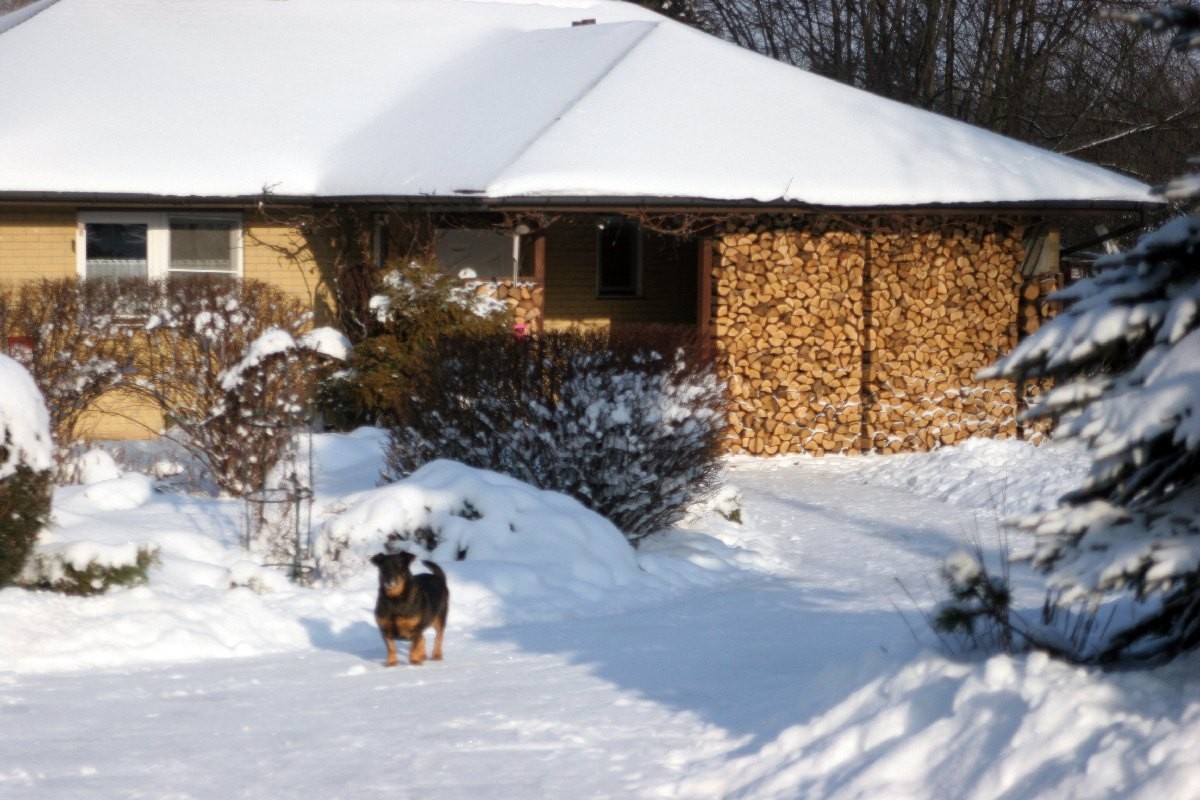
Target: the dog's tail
(436, 570)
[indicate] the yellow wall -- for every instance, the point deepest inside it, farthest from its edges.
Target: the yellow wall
(119, 415)
(277, 253)
(38, 243)
(669, 275)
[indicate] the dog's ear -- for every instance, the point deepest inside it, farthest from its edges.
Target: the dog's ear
(406, 559)
(377, 559)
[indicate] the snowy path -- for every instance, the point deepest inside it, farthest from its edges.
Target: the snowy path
(610, 706)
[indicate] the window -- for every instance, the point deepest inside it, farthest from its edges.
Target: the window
(618, 258)
(490, 254)
(157, 244)
(381, 241)
(116, 250)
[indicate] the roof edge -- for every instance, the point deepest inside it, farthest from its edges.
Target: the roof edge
(585, 203)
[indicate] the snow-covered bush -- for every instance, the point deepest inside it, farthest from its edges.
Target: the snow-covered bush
(451, 512)
(415, 307)
(628, 422)
(1125, 356)
(74, 339)
(230, 365)
(979, 604)
(26, 460)
(85, 568)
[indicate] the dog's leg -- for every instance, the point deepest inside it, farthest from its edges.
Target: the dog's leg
(416, 651)
(439, 627)
(392, 660)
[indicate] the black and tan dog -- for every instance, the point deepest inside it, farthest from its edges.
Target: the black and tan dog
(408, 604)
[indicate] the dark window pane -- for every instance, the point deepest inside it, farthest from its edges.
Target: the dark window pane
(116, 250)
(618, 247)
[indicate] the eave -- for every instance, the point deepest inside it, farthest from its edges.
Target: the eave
(580, 204)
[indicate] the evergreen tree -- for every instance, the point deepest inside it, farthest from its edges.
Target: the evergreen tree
(1125, 358)
(26, 462)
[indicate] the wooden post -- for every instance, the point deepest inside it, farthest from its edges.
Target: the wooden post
(704, 286)
(539, 275)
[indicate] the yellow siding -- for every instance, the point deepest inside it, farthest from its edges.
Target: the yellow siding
(36, 244)
(120, 416)
(669, 274)
(279, 254)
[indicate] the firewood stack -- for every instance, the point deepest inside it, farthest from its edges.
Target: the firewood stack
(1035, 309)
(525, 300)
(843, 339)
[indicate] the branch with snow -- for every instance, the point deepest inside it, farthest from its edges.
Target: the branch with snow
(1125, 353)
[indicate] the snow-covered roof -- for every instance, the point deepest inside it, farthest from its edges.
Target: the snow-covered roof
(470, 98)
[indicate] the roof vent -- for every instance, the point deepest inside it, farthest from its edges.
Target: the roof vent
(579, 22)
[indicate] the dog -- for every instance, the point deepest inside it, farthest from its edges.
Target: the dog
(408, 604)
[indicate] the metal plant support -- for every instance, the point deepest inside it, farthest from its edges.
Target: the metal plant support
(282, 517)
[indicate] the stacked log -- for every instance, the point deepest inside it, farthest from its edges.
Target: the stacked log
(841, 339)
(787, 322)
(1035, 311)
(1035, 308)
(944, 305)
(523, 298)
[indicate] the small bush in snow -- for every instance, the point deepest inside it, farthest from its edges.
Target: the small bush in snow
(66, 573)
(978, 614)
(415, 308)
(24, 511)
(628, 422)
(26, 459)
(979, 605)
(257, 578)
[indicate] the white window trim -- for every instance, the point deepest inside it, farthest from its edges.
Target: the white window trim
(158, 238)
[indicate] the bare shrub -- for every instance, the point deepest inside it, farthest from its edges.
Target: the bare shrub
(75, 338)
(227, 396)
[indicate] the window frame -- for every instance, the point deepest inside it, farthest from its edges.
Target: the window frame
(514, 241)
(158, 239)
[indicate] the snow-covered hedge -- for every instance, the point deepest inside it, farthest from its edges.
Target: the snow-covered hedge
(87, 568)
(627, 422)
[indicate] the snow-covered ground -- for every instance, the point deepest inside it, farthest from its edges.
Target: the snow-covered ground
(775, 658)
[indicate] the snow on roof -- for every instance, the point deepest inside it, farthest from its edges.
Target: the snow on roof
(479, 98)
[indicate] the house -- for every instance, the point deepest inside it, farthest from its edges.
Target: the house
(856, 260)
